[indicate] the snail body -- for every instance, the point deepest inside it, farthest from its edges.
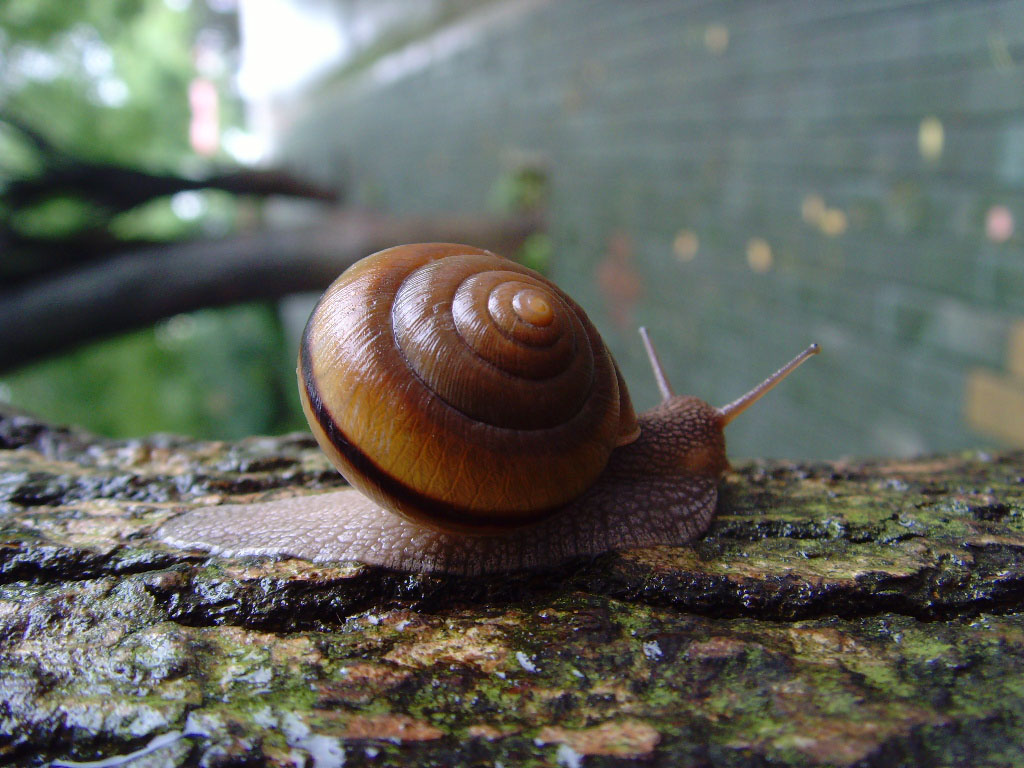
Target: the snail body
(485, 425)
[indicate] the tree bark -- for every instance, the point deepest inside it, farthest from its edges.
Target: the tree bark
(136, 289)
(843, 613)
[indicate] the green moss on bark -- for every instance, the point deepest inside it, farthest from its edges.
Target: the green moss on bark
(836, 614)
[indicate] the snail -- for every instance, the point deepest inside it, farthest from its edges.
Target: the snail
(484, 426)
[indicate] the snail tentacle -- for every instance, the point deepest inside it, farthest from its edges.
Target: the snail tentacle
(731, 410)
(660, 377)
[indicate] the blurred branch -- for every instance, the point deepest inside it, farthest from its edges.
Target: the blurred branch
(42, 144)
(119, 189)
(102, 191)
(140, 287)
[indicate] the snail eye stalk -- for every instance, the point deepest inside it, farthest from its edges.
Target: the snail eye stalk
(740, 404)
(659, 372)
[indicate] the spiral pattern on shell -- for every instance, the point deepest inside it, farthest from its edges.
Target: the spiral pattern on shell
(460, 389)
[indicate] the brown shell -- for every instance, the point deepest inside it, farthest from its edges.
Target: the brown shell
(460, 389)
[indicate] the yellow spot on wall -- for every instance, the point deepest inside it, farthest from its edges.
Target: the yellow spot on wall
(716, 38)
(931, 138)
(1015, 356)
(994, 401)
(995, 406)
(831, 221)
(759, 255)
(812, 209)
(685, 245)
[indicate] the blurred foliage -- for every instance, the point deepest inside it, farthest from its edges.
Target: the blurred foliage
(536, 252)
(524, 189)
(209, 211)
(217, 373)
(108, 83)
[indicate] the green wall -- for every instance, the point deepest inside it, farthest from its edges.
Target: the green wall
(743, 178)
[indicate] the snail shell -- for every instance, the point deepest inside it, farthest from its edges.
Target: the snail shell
(487, 426)
(460, 389)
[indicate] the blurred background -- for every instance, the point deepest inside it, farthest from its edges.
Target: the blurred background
(180, 178)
